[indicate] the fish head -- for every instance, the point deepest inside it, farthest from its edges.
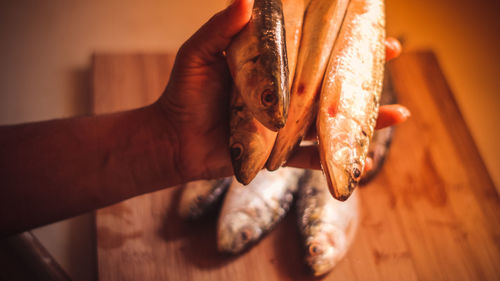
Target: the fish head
(257, 60)
(191, 209)
(324, 250)
(191, 199)
(264, 87)
(237, 231)
(343, 172)
(250, 145)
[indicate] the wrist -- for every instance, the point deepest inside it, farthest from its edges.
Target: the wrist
(165, 145)
(159, 144)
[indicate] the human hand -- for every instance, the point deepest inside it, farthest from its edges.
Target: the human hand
(196, 100)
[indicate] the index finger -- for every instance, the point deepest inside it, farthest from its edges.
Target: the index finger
(392, 48)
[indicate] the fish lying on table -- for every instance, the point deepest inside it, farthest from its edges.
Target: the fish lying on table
(322, 22)
(258, 64)
(350, 94)
(249, 212)
(328, 226)
(198, 197)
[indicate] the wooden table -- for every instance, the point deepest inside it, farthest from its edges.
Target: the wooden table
(433, 212)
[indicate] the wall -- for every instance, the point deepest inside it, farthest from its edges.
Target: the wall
(46, 49)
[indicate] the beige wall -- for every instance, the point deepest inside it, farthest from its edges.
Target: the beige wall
(46, 46)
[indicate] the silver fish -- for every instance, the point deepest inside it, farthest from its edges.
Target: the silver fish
(258, 63)
(321, 25)
(350, 95)
(248, 212)
(200, 196)
(327, 226)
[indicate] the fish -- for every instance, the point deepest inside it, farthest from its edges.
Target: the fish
(249, 212)
(350, 96)
(293, 12)
(250, 142)
(382, 139)
(258, 64)
(327, 226)
(198, 197)
(322, 22)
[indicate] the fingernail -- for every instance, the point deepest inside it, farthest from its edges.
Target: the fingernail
(368, 164)
(405, 112)
(233, 2)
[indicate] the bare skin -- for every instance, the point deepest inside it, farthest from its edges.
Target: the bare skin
(57, 169)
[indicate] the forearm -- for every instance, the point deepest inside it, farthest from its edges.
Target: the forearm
(56, 169)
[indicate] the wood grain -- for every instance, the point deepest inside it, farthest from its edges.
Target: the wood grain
(431, 214)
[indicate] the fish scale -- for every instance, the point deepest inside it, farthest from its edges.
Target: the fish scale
(322, 22)
(381, 140)
(350, 95)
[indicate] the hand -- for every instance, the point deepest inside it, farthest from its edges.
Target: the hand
(196, 100)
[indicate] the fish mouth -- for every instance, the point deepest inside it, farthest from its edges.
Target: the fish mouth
(273, 114)
(280, 122)
(244, 169)
(325, 251)
(237, 233)
(320, 258)
(243, 178)
(340, 183)
(275, 117)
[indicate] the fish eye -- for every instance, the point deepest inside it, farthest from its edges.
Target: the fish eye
(245, 235)
(312, 191)
(356, 172)
(268, 98)
(315, 249)
(255, 59)
(236, 151)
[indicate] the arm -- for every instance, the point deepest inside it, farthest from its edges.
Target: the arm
(57, 169)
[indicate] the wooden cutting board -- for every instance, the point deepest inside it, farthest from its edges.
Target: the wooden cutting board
(432, 213)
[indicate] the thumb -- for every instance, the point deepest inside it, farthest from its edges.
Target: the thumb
(215, 35)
